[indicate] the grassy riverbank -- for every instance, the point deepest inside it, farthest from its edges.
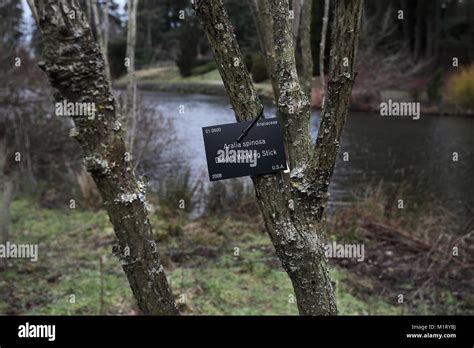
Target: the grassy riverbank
(167, 79)
(205, 273)
(365, 97)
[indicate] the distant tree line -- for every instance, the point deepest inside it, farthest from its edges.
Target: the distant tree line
(431, 31)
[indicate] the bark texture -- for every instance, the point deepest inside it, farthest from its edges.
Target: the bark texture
(263, 19)
(105, 38)
(296, 8)
(322, 48)
(292, 205)
(6, 187)
(101, 35)
(75, 67)
(306, 76)
(31, 5)
(131, 102)
(5, 215)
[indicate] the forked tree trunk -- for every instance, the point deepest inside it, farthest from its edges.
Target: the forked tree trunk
(293, 206)
(75, 67)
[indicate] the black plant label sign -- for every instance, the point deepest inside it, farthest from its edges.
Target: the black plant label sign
(231, 155)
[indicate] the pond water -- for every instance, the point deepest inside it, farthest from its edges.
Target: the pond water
(392, 150)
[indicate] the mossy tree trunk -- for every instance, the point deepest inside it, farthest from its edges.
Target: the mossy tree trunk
(293, 206)
(76, 69)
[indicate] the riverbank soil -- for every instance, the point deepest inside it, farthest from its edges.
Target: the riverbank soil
(426, 255)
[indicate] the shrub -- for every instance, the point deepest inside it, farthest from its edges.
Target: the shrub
(459, 90)
(434, 87)
(188, 49)
(259, 70)
(178, 193)
(117, 50)
(234, 198)
(248, 60)
(204, 68)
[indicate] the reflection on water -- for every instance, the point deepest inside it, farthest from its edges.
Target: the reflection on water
(393, 150)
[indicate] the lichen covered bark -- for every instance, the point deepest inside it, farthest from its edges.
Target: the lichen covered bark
(293, 104)
(75, 68)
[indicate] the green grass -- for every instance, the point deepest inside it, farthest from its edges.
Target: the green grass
(169, 75)
(212, 279)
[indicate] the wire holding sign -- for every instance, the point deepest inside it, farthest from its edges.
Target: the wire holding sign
(246, 130)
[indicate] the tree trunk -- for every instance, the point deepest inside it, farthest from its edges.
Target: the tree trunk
(296, 8)
(306, 76)
(31, 5)
(75, 67)
(5, 218)
(148, 5)
(406, 24)
(101, 35)
(264, 22)
(420, 18)
(344, 41)
(131, 85)
(88, 12)
(436, 26)
(322, 48)
(293, 209)
(105, 37)
(429, 32)
(6, 184)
